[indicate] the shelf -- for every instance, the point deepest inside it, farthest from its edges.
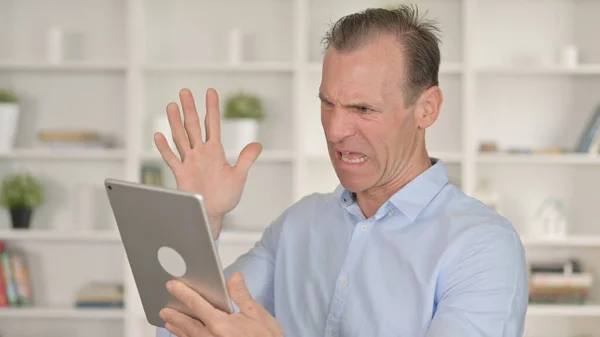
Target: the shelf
(65, 154)
(218, 67)
(46, 235)
(445, 68)
(267, 156)
(564, 159)
(62, 313)
(590, 69)
(587, 310)
(66, 66)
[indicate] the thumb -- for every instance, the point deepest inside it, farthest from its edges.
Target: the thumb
(241, 296)
(248, 156)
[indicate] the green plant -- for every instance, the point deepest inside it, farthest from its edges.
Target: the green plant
(243, 105)
(21, 190)
(7, 96)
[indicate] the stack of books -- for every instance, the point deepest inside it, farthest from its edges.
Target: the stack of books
(100, 295)
(559, 283)
(65, 139)
(15, 290)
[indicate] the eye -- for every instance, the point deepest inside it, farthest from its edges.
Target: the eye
(363, 109)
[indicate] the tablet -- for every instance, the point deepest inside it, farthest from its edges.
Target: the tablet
(166, 235)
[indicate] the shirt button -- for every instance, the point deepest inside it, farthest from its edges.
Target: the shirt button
(363, 228)
(344, 281)
(391, 212)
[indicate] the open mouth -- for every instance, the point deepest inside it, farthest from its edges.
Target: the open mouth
(352, 157)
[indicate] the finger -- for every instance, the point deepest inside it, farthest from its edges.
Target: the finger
(248, 156)
(175, 331)
(165, 151)
(194, 301)
(179, 137)
(191, 119)
(177, 322)
(241, 296)
(212, 121)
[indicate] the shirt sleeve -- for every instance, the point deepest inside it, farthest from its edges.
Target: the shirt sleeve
(162, 332)
(258, 267)
(484, 291)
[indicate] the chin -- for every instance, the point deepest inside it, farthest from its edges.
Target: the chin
(352, 183)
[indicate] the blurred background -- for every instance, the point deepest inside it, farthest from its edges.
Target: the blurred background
(84, 84)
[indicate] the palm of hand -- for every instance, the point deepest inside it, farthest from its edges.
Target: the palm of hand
(202, 166)
(224, 186)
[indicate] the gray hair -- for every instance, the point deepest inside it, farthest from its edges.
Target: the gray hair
(418, 40)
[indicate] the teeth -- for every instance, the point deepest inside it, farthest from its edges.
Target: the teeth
(353, 161)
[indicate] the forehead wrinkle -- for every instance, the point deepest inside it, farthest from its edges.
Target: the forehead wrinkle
(354, 90)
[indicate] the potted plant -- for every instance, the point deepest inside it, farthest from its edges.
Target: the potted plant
(21, 193)
(243, 112)
(9, 115)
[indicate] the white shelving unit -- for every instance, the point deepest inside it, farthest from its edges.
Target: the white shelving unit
(140, 53)
(67, 313)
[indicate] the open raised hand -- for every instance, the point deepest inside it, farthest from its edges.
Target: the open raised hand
(202, 166)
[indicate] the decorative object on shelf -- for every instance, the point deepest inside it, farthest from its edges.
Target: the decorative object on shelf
(243, 112)
(550, 219)
(100, 295)
(74, 139)
(541, 150)
(9, 118)
(487, 195)
(569, 56)
(64, 44)
(152, 175)
(54, 44)
(589, 141)
(15, 287)
(235, 46)
(559, 283)
(487, 147)
(239, 47)
(21, 193)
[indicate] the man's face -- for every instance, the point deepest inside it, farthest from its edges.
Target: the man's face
(370, 134)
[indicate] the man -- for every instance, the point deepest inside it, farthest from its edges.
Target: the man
(395, 250)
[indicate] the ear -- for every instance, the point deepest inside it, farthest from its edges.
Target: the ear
(428, 107)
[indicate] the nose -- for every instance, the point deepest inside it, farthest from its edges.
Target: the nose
(337, 124)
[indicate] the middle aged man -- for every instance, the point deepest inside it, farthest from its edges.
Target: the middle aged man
(395, 250)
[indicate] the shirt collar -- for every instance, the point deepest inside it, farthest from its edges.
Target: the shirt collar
(414, 196)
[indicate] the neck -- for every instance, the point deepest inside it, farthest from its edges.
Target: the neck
(373, 198)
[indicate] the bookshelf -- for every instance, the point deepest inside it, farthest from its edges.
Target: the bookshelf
(139, 53)
(63, 313)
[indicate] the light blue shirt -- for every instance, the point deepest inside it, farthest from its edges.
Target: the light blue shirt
(431, 262)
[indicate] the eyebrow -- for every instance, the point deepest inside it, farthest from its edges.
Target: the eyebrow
(353, 105)
(323, 98)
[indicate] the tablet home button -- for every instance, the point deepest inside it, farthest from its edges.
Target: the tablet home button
(171, 261)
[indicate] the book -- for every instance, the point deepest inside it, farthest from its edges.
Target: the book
(100, 295)
(3, 296)
(21, 277)
(9, 282)
(591, 133)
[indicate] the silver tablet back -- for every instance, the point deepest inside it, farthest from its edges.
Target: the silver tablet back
(166, 236)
